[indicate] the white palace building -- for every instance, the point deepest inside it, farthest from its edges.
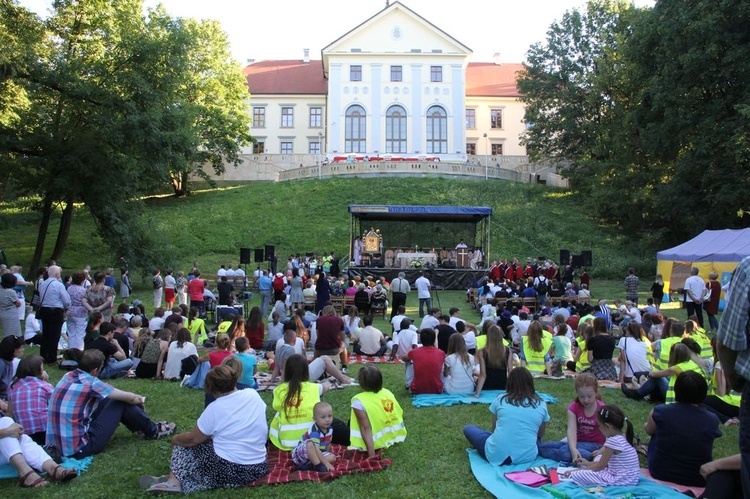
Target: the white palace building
(394, 95)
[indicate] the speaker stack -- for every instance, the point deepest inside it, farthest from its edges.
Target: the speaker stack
(270, 250)
(244, 256)
(259, 255)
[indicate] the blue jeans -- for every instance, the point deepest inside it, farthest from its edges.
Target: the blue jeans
(745, 438)
(105, 420)
(559, 450)
(422, 303)
(654, 385)
(115, 368)
(265, 300)
(477, 437)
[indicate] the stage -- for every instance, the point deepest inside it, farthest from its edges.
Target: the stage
(439, 277)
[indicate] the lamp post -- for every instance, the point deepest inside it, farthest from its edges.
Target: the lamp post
(486, 156)
(320, 155)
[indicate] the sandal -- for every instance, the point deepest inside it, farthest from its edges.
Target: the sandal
(60, 474)
(36, 484)
(163, 429)
(164, 488)
(145, 482)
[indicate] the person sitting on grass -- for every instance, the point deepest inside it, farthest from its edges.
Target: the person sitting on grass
(583, 435)
(227, 446)
(458, 368)
(27, 457)
(376, 419)
(84, 412)
(179, 349)
(427, 362)
(28, 397)
(317, 367)
(369, 340)
(600, 348)
(221, 352)
(535, 347)
(116, 362)
(617, 464)
(495, 361)
(519, 418)
(314, 450)
(682, 434)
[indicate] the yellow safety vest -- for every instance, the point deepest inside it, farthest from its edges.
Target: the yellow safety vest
(198, 325)
(583, 359)
(535, 360)
(731, 398)
(482, 341)
(289, 425)
(386, 420)
(223, 327)
(688, 365)
(705, 344)
(662, 362)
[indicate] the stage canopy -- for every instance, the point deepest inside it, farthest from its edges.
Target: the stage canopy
(422, 227)
(711, 250)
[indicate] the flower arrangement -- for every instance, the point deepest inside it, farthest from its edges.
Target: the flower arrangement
(416, 263)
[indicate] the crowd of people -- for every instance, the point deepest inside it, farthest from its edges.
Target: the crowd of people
(504, 347)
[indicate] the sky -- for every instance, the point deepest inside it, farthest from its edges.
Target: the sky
(281, 29)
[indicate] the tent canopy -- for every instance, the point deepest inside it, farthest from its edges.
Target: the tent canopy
(711, 246)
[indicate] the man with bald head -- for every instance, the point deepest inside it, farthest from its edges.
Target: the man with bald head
(54, 301)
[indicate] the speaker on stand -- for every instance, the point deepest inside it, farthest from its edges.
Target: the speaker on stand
(588, 258)
(244, 256)
(259, 255)
(270, 250)
(564, 257)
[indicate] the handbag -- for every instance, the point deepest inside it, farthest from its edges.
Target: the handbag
(36, 300)
(707, 296)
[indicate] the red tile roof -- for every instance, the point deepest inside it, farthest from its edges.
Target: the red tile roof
(487, 79)
(286, 77)
(483, 79)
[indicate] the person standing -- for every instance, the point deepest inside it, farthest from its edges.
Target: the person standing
(180, 287)
(265, 285)
(158, 288)
(77, 312)
(695, 290)
(711, 304)
(423, 286)
(399, 288)
(54, 301)
(631, 286)
(195, 287)
(657, 291)
(358, 248)
(125, 287)
(169, 289)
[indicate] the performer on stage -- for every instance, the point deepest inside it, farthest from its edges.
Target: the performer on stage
(358, 248)
(476, 261)
(389, 255)
(460, 245)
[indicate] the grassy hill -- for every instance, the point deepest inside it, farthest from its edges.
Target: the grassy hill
(211, 225)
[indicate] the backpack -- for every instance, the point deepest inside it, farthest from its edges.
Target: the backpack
(541, 286)
(278, 283)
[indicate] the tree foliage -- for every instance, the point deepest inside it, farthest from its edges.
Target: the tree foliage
(105, 105)
(650, 107)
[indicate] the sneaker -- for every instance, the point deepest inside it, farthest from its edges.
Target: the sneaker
(629, 392)
(344, 370)
(184, 379)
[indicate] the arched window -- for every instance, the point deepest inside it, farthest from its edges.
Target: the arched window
(437, 130)
(355, 130)
(395, 130)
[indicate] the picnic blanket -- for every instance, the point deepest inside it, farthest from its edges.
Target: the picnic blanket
(486, 397)
(8, 471)
(492, 478)
(369, 359)
(282, 469)
(696, 491)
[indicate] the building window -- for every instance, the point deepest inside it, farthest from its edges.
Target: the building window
(436, 73)
(259, 117)
(437, 130)
(355, 133)
(471, 149)
(496, 118)
(396, 73)
(314, 147)
(259, 147)
(287, 117)
(497, 149)
(316, 117)
(471, 118)
(395, 130)
(355, 73)
(286, 148)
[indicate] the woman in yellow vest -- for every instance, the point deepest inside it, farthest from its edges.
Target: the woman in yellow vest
(580, 360)
(377, 420)
(673, 331)
(725, 403)
(660, 384)
(535, 347)
(197, 327)
(293, 401)
(697, 333)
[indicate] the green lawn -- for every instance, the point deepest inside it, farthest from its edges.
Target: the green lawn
(431, 462)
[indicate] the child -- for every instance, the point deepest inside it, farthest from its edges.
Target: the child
(313, 452)
(618, 462)
(249, 362)
(405, 341)
(427, 362)
(584, 436)
(33, 330)
(518, 421)
(458, 368)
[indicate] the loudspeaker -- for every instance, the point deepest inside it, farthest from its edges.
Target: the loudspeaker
(564, 257)
(577, 261)
(244, 255)
(270, 250)
(259, 255)
(587, 257)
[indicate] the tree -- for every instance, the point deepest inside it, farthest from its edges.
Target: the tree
(115, 107)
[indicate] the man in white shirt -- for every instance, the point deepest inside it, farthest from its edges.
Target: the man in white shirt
(221, 272)
(695, 289)
(431, 320)
(423, 293)
(521, 328)
(369, 340)
(455, 318)
(400, 315)
(399, 288)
